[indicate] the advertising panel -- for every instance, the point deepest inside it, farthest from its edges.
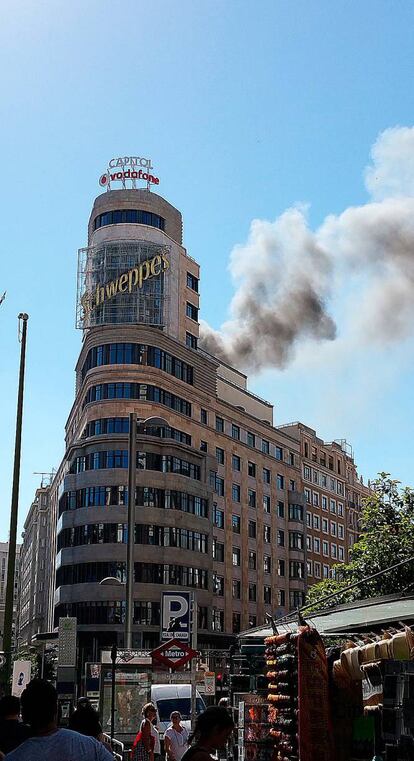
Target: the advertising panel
(21, 676)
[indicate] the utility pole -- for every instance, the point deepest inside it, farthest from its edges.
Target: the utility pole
(132, 457)
(11, 561)
(194, 624)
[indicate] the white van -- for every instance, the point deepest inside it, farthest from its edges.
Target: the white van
(174, 697)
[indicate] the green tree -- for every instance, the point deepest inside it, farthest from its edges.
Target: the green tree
(386, 537)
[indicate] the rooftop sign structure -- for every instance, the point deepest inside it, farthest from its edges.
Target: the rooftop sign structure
(128, 169)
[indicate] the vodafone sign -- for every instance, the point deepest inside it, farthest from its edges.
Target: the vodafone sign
(128, 168)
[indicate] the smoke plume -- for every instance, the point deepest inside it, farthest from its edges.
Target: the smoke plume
(287, 277)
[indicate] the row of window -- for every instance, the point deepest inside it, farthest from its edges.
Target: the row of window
(317, 500)
(315, 568)
(114, 533)
(145, 496)
(140, 391)
(252, 441)
(337, 553)
(296, 600)
(217, 483)
(218, 589)
(118, 458)
(137, 354)
(321, 456)
(145, 573)
(315, 522)
(121, 425)
(93, 612)
(129, 216)
(326, 482)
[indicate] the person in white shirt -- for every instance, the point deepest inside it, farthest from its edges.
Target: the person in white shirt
(175, 738)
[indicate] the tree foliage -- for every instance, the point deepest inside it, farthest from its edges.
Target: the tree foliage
(386, 538)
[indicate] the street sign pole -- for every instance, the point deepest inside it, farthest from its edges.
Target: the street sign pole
(194, 660)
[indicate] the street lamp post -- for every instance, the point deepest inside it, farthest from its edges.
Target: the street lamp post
(132, 456)
(11, 561)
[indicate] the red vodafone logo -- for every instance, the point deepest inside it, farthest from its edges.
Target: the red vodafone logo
(128, 168)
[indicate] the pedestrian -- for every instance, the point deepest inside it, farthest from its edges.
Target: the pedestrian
(85, 720)
(145, 745)
(175, 738)
(48, 742)
(12, 730)
(212, 730)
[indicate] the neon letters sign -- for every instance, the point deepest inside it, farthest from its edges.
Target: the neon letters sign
(134, 278)
(131, 168)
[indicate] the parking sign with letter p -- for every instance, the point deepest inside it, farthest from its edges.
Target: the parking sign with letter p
(175, 619)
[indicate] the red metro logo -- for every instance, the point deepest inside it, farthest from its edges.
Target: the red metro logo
(130, 168)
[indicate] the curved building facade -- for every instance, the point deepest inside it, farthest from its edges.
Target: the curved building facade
(219, 503)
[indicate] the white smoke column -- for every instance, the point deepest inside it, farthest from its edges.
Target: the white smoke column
(282, 278)
(284, 274)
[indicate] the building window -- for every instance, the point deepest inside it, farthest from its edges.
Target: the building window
(203, 446)
(280, 481)
(220, 455)
(309, 542)
(281, 509)
(295, 540)
(191, 311)
(192, 282)
(203, 416)
(308, 496)
(333, 528)
(324, 525)
(309, 520)
(236, 524)
(267, 564)
(218, 585)
(315, 477)
(236, 623)
(280, 538)
(296, 569)
(340, 510)
(307, 472)
(252, 592)
(218, 517)
(191, 340)
(266, 475)
(332, 504)
(295, 599)
(266, 503)
(324, 503)
(219, 424)
(316, 522)
(291, 458)
(334, 551)
(131, 216)
(309, 568)
(326, 572)
(141, 391)
(281, 598)
(316, 545)
(137, 354)
(236, 589)
(279, 453)
(235, 493)
(340, 553)
(236, 462)
(217, 620)
(252, 561)
(292, 485)
(220, 486)
(265, 446)
(315, 496)
(251, 439)
(236, 556)
(267, 531)
(235, 432)
(251, 469)
(251, 498)
(317, 570)
(340, 531)
(323, 481)
(218, 551)
(325, 548)
(252, 529)
(295, 513)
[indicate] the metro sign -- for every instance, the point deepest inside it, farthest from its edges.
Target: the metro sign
(174, 654)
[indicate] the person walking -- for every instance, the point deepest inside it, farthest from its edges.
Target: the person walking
(48, 742)
(212, 730)
(12, 730)
(175, 738)
(144, 747)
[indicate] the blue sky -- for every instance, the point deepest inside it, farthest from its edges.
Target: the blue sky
(245, 109)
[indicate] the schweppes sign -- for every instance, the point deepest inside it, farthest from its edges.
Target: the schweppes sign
(125, 283)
